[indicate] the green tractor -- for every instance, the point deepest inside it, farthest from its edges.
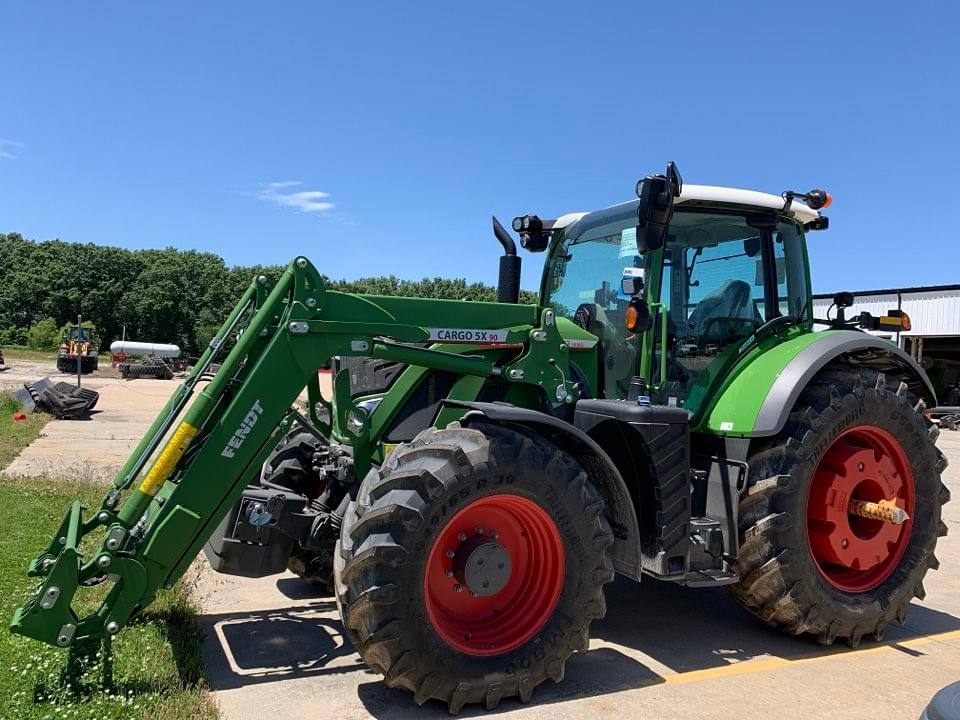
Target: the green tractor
(480, 471)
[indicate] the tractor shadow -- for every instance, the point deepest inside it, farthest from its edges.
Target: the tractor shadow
(652, 626)
(651, 630)
(304, 640)
(691, 630)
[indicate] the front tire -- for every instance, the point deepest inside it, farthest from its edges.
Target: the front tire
(807, 564)
(416, 598)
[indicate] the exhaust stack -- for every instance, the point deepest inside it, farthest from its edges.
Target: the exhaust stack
(508, 283)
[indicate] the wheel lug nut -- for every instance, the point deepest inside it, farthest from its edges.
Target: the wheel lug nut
(860, 467)
(449, 573)
(462, 537)
(458, 588)
(494, 534)
(844, 543)
(478, 530)
(450, 553)
(468, 636)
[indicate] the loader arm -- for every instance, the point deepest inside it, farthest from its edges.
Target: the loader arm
(217, 430)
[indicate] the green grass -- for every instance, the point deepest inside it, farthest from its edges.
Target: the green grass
(18, 352)
(16, 435)
(152, 668)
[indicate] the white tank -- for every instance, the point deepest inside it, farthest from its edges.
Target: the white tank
(142, 348)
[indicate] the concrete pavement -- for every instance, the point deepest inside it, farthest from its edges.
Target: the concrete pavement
(272, 646)
(20, 371)
(96, 446)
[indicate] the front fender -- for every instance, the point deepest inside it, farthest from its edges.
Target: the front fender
(759, 399)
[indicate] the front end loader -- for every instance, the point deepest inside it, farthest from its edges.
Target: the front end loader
(479, 471)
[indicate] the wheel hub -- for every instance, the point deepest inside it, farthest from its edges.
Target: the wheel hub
(861, 487)
(494, 574)
(482, 565)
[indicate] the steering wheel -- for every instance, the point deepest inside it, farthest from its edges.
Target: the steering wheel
(774, 325)
(585, 316)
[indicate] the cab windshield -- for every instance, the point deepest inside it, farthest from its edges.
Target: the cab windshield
(721, 275)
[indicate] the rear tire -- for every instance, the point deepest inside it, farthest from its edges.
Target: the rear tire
(403, 612)
(801, 572)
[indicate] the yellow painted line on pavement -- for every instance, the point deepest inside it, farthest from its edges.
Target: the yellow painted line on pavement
(775, 663)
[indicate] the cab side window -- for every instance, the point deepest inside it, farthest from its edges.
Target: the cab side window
(585, 287)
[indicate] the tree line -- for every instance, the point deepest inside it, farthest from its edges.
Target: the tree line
(167, 296)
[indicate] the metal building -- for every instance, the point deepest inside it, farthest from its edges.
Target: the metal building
(934, 335)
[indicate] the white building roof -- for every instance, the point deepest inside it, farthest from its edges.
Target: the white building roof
(933, 310)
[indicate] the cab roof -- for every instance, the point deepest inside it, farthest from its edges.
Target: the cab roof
(711, 194)
(703, 195)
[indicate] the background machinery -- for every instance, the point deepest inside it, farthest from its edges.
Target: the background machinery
(77, 347)
(147, 360)
(481, 470)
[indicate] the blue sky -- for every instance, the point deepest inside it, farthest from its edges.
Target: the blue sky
(379, 138)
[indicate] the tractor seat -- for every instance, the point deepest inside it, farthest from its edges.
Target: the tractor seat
(730, 300)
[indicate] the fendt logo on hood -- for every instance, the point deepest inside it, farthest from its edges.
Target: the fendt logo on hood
(240, 434)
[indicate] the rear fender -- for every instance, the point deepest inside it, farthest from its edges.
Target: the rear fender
(758, 401)
(603, 473)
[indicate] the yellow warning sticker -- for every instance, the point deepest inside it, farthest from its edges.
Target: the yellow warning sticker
(168, 459)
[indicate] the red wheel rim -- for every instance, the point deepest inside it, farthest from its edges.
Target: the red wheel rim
(525, 564)
(853, 553)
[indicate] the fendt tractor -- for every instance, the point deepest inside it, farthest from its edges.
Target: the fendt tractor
(77, 348)
(481, 470)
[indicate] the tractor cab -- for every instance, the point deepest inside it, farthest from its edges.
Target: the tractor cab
(79, 334)
(731, 261)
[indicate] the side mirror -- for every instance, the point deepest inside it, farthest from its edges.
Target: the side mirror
(656, 193)
(631, 286)
(631, 283)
